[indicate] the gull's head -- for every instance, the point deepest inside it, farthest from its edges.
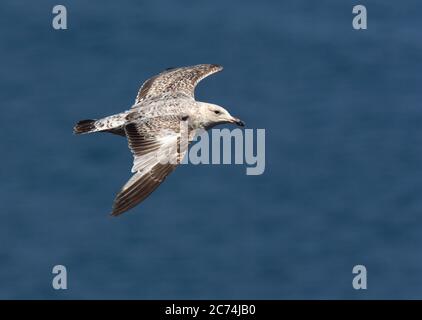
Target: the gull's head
(214, 115)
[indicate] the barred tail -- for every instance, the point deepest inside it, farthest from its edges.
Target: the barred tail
(84, 126)
(113, 124)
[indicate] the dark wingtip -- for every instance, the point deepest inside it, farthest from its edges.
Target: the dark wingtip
(217, 66)
(115, 213)
(84, 126)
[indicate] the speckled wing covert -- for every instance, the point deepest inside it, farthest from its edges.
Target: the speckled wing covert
(175, 82)
(158, 145)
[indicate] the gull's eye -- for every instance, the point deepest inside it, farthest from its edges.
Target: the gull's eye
(217, 112)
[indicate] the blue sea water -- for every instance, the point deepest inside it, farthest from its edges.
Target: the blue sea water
(343, 181)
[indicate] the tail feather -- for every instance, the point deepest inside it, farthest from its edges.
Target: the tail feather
(84, 126)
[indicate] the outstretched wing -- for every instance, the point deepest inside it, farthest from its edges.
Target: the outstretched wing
(175, 82)
(158, 145)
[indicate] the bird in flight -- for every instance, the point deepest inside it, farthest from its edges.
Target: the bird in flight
(159, 127)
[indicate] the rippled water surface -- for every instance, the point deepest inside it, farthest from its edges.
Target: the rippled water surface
(343, 180)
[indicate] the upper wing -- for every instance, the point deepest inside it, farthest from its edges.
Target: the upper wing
(175, 82)
(158, 146)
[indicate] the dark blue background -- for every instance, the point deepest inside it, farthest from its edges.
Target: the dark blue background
(343, 181)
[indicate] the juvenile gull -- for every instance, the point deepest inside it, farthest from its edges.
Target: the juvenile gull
(165, 104)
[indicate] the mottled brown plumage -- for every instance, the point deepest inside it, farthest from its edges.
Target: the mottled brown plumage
(159, 127)
(175, 82)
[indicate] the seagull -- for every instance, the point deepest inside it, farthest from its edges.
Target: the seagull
(159, 126)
